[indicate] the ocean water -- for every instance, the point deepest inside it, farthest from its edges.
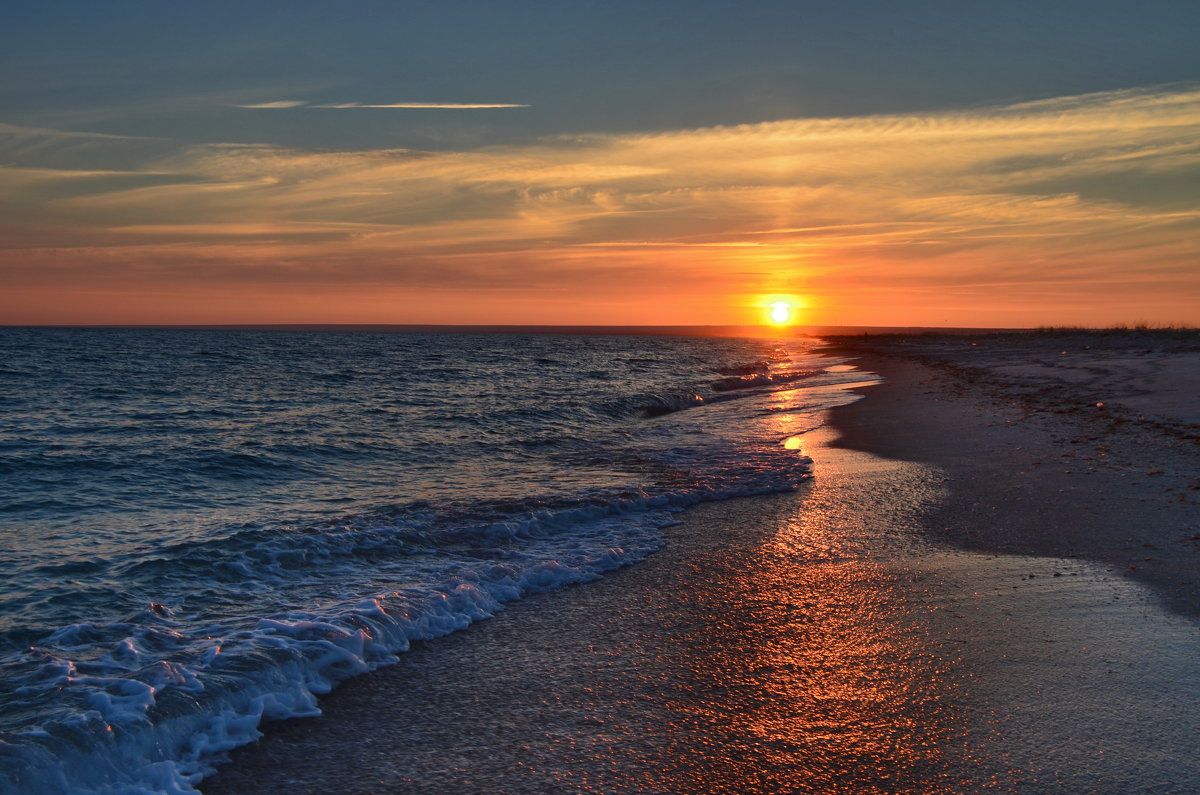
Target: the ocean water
(203, 529)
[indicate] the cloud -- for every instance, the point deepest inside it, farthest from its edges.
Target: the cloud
(15, 131)
(442, 105)
(287, 103)
(983, 205)
(277, 105)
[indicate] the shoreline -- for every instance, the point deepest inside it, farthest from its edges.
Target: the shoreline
(1038, 467)
(881, 629)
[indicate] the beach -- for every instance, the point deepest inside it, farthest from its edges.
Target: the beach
(672, 398)
(989, 584)
(1070, 445)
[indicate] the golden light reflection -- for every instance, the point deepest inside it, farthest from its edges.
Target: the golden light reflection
(816, 673)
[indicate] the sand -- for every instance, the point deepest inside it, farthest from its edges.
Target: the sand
(1073, 445)
(979, 590)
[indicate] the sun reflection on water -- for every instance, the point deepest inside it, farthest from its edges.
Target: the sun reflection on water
(812, 672)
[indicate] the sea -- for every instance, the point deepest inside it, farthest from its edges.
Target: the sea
(204, 529)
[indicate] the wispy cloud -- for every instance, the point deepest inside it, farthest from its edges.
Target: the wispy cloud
(277, 105)
(16, 131)
(950, 212)
(76, 150)
(288, 103)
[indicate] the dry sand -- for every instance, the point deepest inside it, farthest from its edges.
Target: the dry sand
(977, 603)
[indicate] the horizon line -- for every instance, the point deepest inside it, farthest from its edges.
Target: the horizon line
(714, 330)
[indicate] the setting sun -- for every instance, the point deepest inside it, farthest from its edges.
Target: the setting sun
(780, 313)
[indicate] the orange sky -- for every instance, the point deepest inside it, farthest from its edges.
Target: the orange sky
(1078, 210)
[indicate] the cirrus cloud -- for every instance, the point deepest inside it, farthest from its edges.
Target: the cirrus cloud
(287, 104)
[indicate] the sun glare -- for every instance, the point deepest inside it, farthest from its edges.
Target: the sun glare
(780, 313)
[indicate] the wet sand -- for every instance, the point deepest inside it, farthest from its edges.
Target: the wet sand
(963, 620)
(1073, 445)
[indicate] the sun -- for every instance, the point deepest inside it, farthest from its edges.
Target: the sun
(779, 309)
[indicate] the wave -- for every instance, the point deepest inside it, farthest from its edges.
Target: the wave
(753, 368)
(650, 405)
(754, 380)
(144, 703)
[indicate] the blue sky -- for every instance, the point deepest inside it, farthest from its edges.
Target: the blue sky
(174, 69)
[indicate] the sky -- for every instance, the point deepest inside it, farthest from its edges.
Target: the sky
(923, 162)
